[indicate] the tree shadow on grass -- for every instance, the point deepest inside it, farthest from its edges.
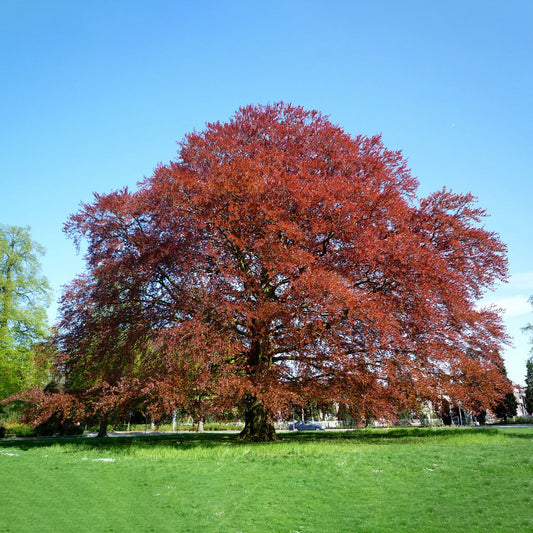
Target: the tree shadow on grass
(218, 440)
(522, 432)
(388, 435)
(123, 443)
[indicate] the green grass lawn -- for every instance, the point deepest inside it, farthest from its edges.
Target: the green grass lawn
(372, 480)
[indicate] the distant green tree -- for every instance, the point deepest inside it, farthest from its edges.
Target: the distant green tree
(24, 298)
(529, 327)
(507, 408)
(508, 405)
(529, 370)
(529, 386)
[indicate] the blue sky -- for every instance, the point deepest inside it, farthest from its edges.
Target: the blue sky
(95, 94)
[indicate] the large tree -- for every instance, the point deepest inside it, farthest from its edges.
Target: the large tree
(24, 297)
(279, 260)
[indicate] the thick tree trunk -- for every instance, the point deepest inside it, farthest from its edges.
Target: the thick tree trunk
(258, 426)
(102, 431)
(199, 425)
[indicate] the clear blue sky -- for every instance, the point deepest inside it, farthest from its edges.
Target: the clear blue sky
(95, 94)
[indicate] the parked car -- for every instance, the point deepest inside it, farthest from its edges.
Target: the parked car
(305, 426)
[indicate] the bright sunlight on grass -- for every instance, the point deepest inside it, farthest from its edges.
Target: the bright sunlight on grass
(373, 480)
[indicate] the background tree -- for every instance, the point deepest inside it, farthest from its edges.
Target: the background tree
(24, 298)
(280, 261)
(529, 386)
(507, 407)
(529, 373)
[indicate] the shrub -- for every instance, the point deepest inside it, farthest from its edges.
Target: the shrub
(55, 426)
(17, 429)
(521, 420)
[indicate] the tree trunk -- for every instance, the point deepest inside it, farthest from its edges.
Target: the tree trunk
(199, 425)
(102, 431)
(258, 425)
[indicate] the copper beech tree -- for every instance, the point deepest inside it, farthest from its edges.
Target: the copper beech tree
(279, 260)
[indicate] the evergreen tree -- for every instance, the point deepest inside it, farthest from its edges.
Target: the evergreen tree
(529, 386)
(508, 406)
(529, 371)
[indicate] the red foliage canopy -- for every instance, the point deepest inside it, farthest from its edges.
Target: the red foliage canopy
(280, 260)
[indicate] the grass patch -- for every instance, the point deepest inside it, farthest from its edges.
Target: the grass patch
(373, 480)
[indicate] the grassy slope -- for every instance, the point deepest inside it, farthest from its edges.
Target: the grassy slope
(399, 480)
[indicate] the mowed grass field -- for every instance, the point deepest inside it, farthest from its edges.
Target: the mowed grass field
(409, 480)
